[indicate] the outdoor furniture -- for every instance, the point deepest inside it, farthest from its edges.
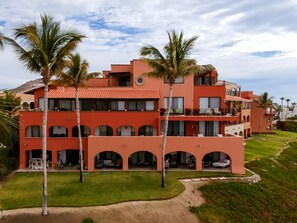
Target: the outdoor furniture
(208, 111)
(200, 135)
(222, 163)
(219, 135)
(216, 111)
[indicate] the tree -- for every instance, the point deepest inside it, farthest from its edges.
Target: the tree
(43, 49)
(282, 103)
(75, 75)
(264, 103)
(288, 101)
(173, 64)
(1, 41)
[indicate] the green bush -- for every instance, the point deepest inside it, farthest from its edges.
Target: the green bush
(88, 220)
(3, 171)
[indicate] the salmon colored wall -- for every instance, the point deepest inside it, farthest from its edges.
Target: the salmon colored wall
(120, 68)
(257, 113)
(218, 91)
(92, 119)
(125, 146)
(179, 90)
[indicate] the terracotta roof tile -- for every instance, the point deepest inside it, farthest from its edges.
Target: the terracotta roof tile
(110, 93)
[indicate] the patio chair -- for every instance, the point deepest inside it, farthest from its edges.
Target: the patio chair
(200, 135)
(208, 111)
(216, 111)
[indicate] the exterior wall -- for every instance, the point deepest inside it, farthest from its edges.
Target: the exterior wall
(125, 146)
(261, 121)
(199, 147)
(234, 129)
(179, 90)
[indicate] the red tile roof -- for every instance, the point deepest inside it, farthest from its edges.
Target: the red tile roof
(236, 98)
(110, 93)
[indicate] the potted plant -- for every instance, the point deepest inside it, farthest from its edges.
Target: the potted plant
(196, 111)
(188, 111)
(162, 111)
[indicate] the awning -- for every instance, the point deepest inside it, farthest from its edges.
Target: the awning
(108, 93)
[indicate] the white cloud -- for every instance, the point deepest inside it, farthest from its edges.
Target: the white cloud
(229, 32)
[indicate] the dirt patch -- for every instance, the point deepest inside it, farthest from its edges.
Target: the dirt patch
(171, 210)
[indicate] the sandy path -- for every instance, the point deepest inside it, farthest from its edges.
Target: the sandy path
(171, 210)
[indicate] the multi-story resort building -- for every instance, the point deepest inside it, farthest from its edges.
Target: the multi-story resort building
(122, 120)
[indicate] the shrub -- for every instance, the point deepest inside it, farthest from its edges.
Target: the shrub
(88, 220)
(196, 111)
(3, 171)
(188, 111)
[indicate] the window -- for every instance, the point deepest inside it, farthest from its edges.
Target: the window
(177, 104)
(178, 80)
(204, 81)
(149, 106)
(117, 105)
(41, 103)
(124, 81)
(102, 105)
(175, 128)
(103, 130)
(85, 131)
(208, 103)
(33, 131)
(147, 130)
(209, 128)
(86, 105)
(139, 81)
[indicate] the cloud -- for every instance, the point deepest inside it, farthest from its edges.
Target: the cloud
(249, 41)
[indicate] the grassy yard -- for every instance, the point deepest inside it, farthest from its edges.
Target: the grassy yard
(271, 200)
(266, 145)
(99, 188)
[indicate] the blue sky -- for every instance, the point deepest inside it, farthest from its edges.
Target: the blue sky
(250, 42)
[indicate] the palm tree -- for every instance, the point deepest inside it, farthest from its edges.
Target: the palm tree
(173, 64)
(264, 103)
(293, 108)
(1, 41)
(282, 103)
(75, 75)
(9, 123)
(43, 49)
(288, 101)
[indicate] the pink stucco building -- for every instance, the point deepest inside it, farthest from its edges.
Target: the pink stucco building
(121, 118)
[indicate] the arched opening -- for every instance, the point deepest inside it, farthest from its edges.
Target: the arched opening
(33, 131)
(180, 160)
(248, 118)
(58, 131)
(147, 130)
(108, 159)
(125, 130)
(34, 159)
(216, 160)
(103, 130)
(31, 105)
(85, 131)
(235, 133)
(244, 119)
(142, 160)
(25, 106)
(241, 133)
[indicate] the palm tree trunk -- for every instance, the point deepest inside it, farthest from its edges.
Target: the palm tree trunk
(165, 134)
(81, 160)
(44, 145)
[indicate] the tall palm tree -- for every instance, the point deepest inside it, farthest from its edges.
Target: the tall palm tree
(282, 103)
(264, 103)
(43, 49)
(293, 108)
(10, 102)
(75, 75)
(288, 101)
(173, 64)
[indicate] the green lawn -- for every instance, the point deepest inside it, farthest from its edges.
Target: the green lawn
(266, 145)
(271, 200)
(99, 188)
